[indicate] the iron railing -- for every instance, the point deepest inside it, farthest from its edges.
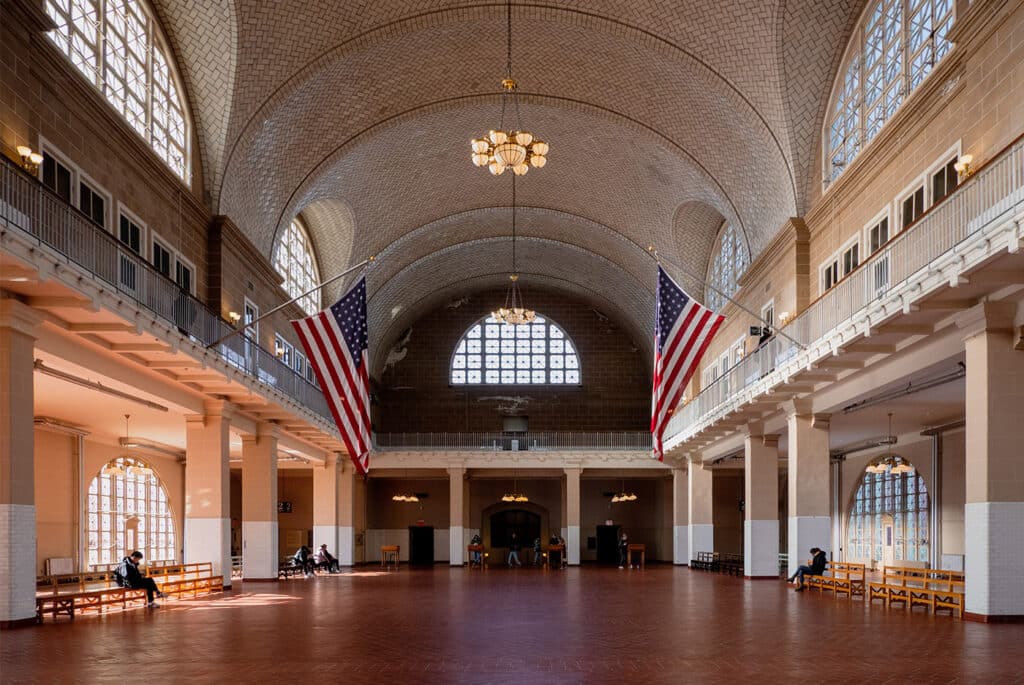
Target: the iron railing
(626, 441)
(33, 208)
(992, 192)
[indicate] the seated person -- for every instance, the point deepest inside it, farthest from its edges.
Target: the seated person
(815, 567)
(476, 557)
(554, 557)
(304, 559)
(325, 560)
(127, 575)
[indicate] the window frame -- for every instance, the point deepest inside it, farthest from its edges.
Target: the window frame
(102, 73)
(884, 215)
(940, 163)
(299, 226)
(483, 323)
(736, 269)
(144, 240)
(920, 181)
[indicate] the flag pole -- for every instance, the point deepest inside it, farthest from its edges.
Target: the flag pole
(332, 279)
(658, 259)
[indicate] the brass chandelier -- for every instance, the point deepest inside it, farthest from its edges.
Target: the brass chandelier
(503, 148)
(514, 312)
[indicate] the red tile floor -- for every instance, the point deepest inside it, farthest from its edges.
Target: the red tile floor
(583, 625)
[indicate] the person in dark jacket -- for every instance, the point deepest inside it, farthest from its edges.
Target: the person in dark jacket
(513, 551)
(623, 547)
(816, 567)
(128, 576)
(303, 557)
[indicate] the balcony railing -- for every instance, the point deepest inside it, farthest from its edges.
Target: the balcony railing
(991, 193)
(31, 207)
(630, 441)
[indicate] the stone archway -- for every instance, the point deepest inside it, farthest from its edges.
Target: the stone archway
(501, 507)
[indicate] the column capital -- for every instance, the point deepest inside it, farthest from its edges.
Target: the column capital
(770, 440)
(821, 421)
(573, 471)
(19, 317)
(456, 471)
(753, 429)
(264, 429)
(989, 316)
(798, 406)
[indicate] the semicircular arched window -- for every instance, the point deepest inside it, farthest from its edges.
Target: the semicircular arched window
(294, 259)
(127, 509)
(117, 45)
(889, 518)
(492, 353)
(894, 47)
(729, 259)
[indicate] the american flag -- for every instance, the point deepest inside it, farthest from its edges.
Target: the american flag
(336, 341)
(683, 328)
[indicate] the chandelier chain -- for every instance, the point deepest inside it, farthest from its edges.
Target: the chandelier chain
(513, 224)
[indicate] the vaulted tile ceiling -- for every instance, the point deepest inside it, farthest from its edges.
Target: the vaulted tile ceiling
(664, 119)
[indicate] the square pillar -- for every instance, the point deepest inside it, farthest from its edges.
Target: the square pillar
(207, 484)
(810, 520)
(456, 504)
(18, 324)
(334, 508)
(701, 515)
(259, 504)
(994, 480)
(761, 504)
(680, 517)
(572, 516)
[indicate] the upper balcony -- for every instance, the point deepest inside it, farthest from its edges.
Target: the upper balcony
(981, 220)
(49, 230)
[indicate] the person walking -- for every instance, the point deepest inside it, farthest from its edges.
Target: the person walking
(513, 551)
(623, 546)
(815, 567)
(129, 576)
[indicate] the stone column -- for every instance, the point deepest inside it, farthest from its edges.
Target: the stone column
(334, 507)
(680, 517)
(761, 504)
(18, 324)
(810, 521)
(260, 549)
(572, 515)
(994, 480)
(207, 488)
(701, 515)
(456, 503)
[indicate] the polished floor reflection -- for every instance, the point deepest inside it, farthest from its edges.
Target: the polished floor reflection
(588, 625)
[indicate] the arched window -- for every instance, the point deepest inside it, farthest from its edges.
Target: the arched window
(729, 260)
(492, 353)
(117, 46)
(892, 50)
(889, 519)
(293, 259)
(127, 509)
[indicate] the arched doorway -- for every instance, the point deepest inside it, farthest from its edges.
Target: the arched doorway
(528, 520)
(889, 521)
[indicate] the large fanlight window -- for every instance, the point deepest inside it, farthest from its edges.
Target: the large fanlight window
(293, 259)
(729, 260)
(117, 46)
(889, 521)
(892, 50)
(127, 509)
(492, 353)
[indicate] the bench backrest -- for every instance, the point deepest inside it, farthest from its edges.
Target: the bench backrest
(846, 570)
(922, 577)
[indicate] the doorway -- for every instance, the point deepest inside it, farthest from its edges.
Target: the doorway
(421, 545)
(888, 540)
(608, 545)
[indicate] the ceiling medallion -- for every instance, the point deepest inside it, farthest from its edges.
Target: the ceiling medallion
(503, 148)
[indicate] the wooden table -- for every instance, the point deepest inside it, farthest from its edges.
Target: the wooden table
(636, 548)
(478, 549)
(389, 554)
(562, 562)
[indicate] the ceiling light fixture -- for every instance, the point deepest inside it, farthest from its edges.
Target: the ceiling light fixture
(891, 463)
(513, 149)
(514, 312)
(624, 496)
(515, 495)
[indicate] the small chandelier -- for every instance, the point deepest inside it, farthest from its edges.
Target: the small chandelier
(405, 498)
(624, 496)
(513, 149)
(891, 463)
(514, 312)
(515, 495)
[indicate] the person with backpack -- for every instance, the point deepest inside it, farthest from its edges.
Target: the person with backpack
(303, 558)
(814, 567)
(128, 576)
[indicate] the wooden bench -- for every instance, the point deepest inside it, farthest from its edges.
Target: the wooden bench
(841, 578)
(936, 589)
(72, 592)
(730, 563)
(705, 561)
(563, 562)
(287, 569)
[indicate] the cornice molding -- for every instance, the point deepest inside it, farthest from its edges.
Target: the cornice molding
(30, 14)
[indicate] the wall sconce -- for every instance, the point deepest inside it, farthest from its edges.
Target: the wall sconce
(30, 160)
(784, 317)
(235, 317)
(278, 350)
(963, 166)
